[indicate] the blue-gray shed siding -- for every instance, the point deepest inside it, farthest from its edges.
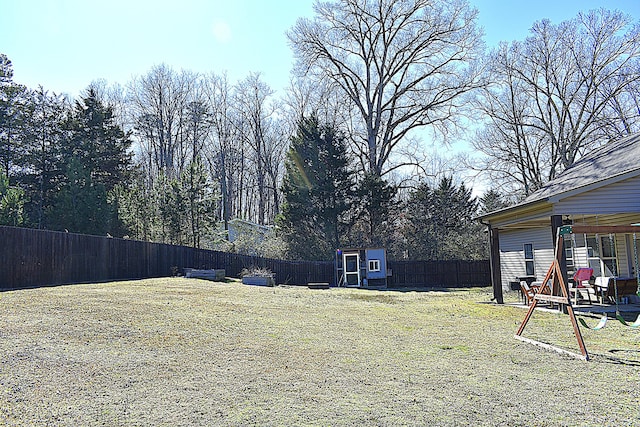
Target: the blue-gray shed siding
(377, 254)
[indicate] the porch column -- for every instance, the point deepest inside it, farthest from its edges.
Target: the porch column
(556, 223)
(494, 261)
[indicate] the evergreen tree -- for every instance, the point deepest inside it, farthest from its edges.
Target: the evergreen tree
(201, 199)
(81, 205)
(492, 201)
(42, 172)
(440, 223)
(136, 208)
(11, 202)
(98, 142)
(95, 158)
(376, 212)
(317, 190)
(13, 113)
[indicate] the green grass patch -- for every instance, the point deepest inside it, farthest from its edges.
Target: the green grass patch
(192, 352)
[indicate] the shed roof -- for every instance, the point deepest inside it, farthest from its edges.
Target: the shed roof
(613, 162)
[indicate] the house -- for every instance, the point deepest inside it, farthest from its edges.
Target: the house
(239, 227)
(602, 188)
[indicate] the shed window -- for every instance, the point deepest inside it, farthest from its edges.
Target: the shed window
(374, 265)
(528, 259)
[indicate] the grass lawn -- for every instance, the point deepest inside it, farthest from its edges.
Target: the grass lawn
(190, 352)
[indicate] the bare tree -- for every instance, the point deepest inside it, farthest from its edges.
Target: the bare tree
(404, 64)
(224, 152)
(173, 118)
(159, 101)
(259, 130)
(563, 91)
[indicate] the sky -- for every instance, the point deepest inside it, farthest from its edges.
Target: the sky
(64, 45)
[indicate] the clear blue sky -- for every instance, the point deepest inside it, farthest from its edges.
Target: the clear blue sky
(65, 44)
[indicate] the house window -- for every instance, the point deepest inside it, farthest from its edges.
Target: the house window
(608, 256)
(374, 265)
(528, 259)
(602, 255)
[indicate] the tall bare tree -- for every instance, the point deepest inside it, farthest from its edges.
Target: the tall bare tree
(564, 90)
(224, 152)
(260, 131)
(172, 119)
(159, 102)
(404, 64)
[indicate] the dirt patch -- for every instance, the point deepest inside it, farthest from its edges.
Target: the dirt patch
(190, 352)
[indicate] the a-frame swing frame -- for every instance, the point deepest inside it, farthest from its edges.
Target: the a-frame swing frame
(554, 276)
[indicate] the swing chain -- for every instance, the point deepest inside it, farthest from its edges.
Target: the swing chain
(615, 269)
(635, 256)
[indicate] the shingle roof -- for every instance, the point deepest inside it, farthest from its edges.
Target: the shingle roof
(614, 158)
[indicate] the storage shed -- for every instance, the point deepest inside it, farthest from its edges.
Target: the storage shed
(362, 267)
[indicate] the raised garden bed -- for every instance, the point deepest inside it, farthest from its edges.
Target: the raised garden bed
(215, 275)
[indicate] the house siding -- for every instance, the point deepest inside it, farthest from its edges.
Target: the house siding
(624, 254)
(623, 196)
(512, 253)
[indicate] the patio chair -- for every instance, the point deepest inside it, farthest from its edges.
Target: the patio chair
(529, 292)
(601, 286)
(581, 283)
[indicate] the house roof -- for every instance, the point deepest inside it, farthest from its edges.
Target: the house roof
(613, 162)
(615, 159)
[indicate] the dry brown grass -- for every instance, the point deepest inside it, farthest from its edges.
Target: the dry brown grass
(189, 352)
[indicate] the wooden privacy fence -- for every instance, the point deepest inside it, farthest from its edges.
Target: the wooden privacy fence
(450, 274)
(30, 257)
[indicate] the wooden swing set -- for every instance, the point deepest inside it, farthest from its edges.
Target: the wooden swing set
(554, 289)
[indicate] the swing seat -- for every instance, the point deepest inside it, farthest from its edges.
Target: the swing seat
(601, 324)
(634, 325)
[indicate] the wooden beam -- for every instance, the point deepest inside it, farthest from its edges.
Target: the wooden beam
(604, 229)
(584, 357)
(551, 298)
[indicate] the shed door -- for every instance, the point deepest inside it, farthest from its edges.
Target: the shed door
(351, 264)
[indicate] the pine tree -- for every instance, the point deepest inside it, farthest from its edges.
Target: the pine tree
(440, 223)
(376, 212)
(11, 202)
(94, 158)
(317, 190)
(491, 201)
(98, 142)
(13, 113)
(81, 205)
(42, 173)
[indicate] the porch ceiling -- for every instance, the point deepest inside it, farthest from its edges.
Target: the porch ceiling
(545, 221)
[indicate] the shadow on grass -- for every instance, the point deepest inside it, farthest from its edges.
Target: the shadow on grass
(615, 360)
(430, 288)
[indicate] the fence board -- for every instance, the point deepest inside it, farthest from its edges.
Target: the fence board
(30, 257)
